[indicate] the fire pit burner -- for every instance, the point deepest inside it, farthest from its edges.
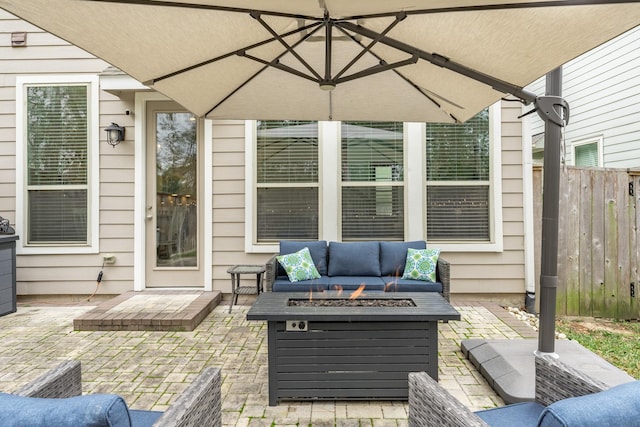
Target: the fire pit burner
(348, 302)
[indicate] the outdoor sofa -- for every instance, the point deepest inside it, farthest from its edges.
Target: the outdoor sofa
(379, 265)
(54, 399)
(564, 397)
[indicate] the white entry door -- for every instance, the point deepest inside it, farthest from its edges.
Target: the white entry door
(173, 194)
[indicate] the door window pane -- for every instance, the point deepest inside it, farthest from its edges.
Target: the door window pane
(176, 190)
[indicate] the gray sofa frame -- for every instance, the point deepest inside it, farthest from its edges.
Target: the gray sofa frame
(432, 405)
(443, 274)
(198, 405)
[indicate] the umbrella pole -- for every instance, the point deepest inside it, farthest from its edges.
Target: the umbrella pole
(550, 214)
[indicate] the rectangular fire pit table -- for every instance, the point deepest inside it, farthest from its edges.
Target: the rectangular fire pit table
(349, 352)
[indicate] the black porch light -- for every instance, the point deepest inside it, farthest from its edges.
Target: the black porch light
(115, 134)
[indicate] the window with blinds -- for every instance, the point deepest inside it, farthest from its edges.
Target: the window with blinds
(372, 193)
(286, 180)
(586, 155)
(458, 180)
(56, 164)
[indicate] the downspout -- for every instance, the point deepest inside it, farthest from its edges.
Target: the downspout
(529, 237)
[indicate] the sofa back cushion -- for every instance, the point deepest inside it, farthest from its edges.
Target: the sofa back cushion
(317, 248)
(619, 406)
(393, 256)
(354, 259)
(94, 410)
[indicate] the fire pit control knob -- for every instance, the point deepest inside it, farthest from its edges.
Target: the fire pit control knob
(296, 325)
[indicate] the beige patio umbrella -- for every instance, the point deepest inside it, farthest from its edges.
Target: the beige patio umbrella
(381, 60)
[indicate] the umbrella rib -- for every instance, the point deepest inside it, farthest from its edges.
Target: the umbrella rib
(399, 17)
(256, 15)
(276, 64)
(315, 26)
(444, 62)
(377, 69)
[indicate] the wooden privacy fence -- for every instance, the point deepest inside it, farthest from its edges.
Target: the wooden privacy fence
(598, 241)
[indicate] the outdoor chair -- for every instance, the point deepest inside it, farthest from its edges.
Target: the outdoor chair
(54, 399)
(564, 397)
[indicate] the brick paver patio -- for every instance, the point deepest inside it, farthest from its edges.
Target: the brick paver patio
(149, 368)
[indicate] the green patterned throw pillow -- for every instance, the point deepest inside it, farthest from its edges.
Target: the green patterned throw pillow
(299, 265)
(421, 264)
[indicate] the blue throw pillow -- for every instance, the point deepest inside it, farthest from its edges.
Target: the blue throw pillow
(94, 410)
(421, 264)
(354, 259)
(393, 256)
(617, 407)
(317, 248)
(299, 265)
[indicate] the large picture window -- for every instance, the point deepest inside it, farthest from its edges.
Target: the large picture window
(56, 130)
(458, 180)
(372, 181)
(57, 184)
(286, 180)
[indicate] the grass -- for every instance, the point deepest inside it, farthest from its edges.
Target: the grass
(616, 342)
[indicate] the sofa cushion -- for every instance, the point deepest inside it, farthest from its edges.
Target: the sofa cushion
(299, 265)
(317, 248)
(421, 264)
(619, 406)
(409, 285)
(519, 414)
(354, 259)
(283, 284)
(393, 256)
(349, 283)
(94, 410)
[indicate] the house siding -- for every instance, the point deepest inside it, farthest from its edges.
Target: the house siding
(602, 88)
(496, 273)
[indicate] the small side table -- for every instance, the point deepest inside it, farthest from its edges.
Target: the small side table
(236, 289)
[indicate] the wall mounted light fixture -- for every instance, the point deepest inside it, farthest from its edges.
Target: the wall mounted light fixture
(115, 134)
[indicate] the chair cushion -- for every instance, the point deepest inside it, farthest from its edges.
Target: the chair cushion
(409, 285)
(354, 259)
(317, 248)
(393, 256)
(617, 407)
(421, 264)
(94, 410)
(519, 414)
(143, 418)
(299, 265)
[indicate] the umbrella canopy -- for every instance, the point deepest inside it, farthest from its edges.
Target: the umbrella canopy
(377, 60)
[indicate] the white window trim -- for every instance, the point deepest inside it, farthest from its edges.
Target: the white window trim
(599, 139)
(414, 181)
(93, 152)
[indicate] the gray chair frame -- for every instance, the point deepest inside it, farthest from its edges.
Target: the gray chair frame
(431, 405)
(200, 404)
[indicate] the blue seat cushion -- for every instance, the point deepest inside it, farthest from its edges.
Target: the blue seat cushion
(94, 410)
(283, 284)
(519, 414)
(354, 259)
(393, 256)
(617, 407)
(143, 418)
(349, 283)
(317, 249)
(410, 285)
